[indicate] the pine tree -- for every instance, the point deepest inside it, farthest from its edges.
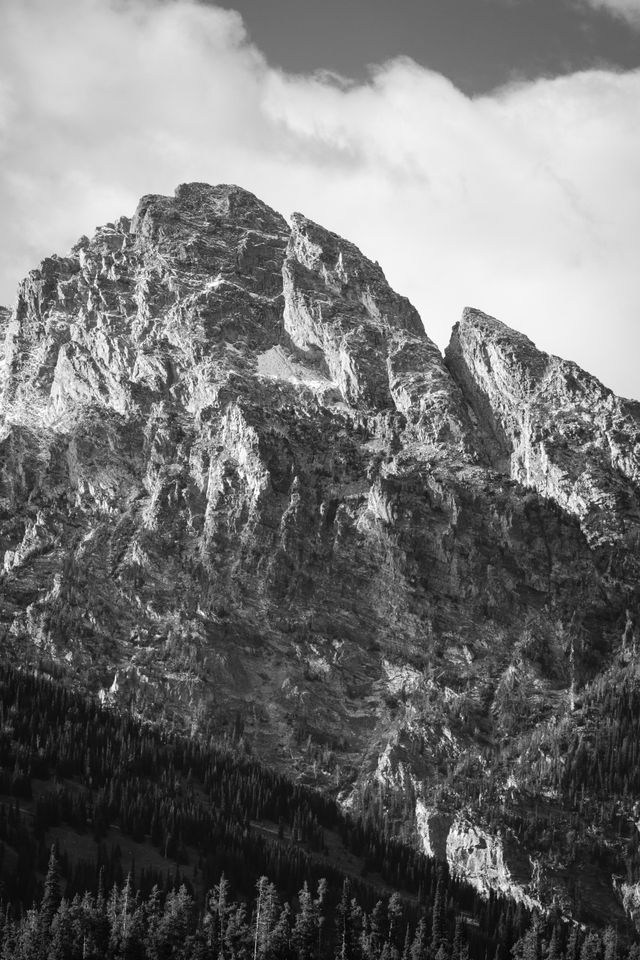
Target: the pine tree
(218, 914)
(266, 915)
(389, 952)
(406, 950)
(553, 950)
(237, 934)
(438, 919)
(51, 899)
(52, 894)
(260, 940)
(458, 940)
(61, 942)
(304, 933)
(153, 918)
(9, 943)
(28, 941)
(528, 947)
(318, 903)
(113, 918)
(610, 943)
(347, 921)
(419, 947)
(394, 912)
(573, 944)
(281, 937)
(373, 936)
(176, 921)
(591, 948)
(125, 907)
(134, 943)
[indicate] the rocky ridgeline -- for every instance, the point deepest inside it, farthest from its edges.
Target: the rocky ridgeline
(238, 476)
(553, 427)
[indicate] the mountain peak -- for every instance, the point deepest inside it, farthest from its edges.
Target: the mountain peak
(550, 425)
(219, 201)
(235, 469)
(479, 330)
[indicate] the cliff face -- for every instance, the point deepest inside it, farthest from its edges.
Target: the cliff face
(236, 472)
(553, 428)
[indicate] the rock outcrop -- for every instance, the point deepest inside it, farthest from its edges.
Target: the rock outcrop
(238, 474)
(490, 862)
(552, 427)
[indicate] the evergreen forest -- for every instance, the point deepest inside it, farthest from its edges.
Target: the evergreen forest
(122, 839)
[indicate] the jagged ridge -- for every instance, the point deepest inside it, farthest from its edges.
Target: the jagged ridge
(238, 475)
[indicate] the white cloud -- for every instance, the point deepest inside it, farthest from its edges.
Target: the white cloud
(525, 203)
(629, 10)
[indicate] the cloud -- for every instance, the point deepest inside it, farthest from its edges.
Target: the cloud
(629, 10)
(525, 203)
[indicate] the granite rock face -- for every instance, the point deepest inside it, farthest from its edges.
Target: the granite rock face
(552, 427)
(237, 473)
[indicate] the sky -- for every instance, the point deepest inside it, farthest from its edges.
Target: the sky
(485, 152)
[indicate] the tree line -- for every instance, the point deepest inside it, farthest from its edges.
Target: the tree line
(318, 924)
(201, 805)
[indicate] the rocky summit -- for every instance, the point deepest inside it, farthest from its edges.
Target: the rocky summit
(243, 492)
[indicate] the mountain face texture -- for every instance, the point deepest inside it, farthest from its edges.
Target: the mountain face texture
(242, 490)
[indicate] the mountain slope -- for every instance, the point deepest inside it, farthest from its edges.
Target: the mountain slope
(240, 484)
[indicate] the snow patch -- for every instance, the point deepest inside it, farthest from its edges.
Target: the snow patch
(278, 365)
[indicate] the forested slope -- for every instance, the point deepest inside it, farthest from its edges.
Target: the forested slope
(230, 886)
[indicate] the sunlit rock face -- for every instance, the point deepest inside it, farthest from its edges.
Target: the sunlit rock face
(490, 862)
(552, 427)
(238, 475)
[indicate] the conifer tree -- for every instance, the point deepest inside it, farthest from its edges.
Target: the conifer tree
(8, 945)
(61, 942)
(237, 934)
(153, 912)
(553, 950)
(318, 903)
(528, 947)
(28, 942)
(266, 916)
(394, 912)
(218, 912)
(458, 940)
(438, 919)
(52, 894)
(374, 933)
(176, 921)
(419, 947)
(304, 933)
(388, 952)
(591, 948)
(281, 937)
(406, 950)
(573, 944)
(113, 918)
(610, 943)
(347, 945)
